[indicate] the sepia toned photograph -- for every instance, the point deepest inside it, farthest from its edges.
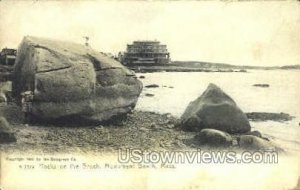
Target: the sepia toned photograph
(154, 95)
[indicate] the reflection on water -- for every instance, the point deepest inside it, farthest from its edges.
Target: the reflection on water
(176, 90)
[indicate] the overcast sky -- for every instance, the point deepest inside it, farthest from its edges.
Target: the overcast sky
(249, 33)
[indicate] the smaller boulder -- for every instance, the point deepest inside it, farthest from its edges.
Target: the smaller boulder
(214, 138)
(251, 142)
(6, 134)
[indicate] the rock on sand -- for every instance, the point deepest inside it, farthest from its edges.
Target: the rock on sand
(214, 109)
(70, 79)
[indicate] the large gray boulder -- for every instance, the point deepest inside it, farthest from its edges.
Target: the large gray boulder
(6, 134)
(214, 109)
(70, 79)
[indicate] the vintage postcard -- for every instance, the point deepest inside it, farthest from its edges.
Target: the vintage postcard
(149, 95)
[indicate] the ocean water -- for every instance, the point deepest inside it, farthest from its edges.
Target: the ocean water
(177, 89)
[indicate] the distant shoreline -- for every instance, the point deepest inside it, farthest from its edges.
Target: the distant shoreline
(193, 66)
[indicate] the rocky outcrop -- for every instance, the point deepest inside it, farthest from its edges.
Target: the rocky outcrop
(265, 116)
(214, 109)
(152, 86)
(6, 134)
(69, 79)
(213, 137)
(262, 85)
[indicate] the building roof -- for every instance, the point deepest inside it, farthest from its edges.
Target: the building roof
(8, 51)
